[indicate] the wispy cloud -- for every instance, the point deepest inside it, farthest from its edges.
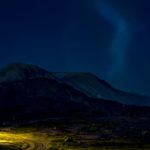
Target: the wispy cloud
(120, 39)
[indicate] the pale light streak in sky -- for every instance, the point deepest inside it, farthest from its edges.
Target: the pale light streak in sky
(120, 39)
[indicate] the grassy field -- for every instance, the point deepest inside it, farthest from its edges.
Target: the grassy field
(29, 139)
(78, 135)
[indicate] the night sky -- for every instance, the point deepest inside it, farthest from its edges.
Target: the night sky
(110, 38)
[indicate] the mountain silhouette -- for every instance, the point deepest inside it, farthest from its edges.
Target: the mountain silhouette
(29, 92)
(95, 87)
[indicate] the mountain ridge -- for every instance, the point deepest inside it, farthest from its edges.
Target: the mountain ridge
(21, 71)
(95, 87)
(85, 82)
(41, 94)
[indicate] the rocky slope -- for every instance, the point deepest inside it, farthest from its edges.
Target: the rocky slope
(94, 87)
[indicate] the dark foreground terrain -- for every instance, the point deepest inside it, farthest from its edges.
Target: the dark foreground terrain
(78, 134)
(41, 110)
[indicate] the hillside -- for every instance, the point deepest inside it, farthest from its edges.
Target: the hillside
(95, 87)
(28, 92)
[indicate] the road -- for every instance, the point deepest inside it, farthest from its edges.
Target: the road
(25, 141)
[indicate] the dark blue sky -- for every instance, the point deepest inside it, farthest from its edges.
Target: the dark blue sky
(110, 38)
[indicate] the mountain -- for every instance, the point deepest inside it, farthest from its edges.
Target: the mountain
(19, 71)
(29, 92)
(94, 87)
